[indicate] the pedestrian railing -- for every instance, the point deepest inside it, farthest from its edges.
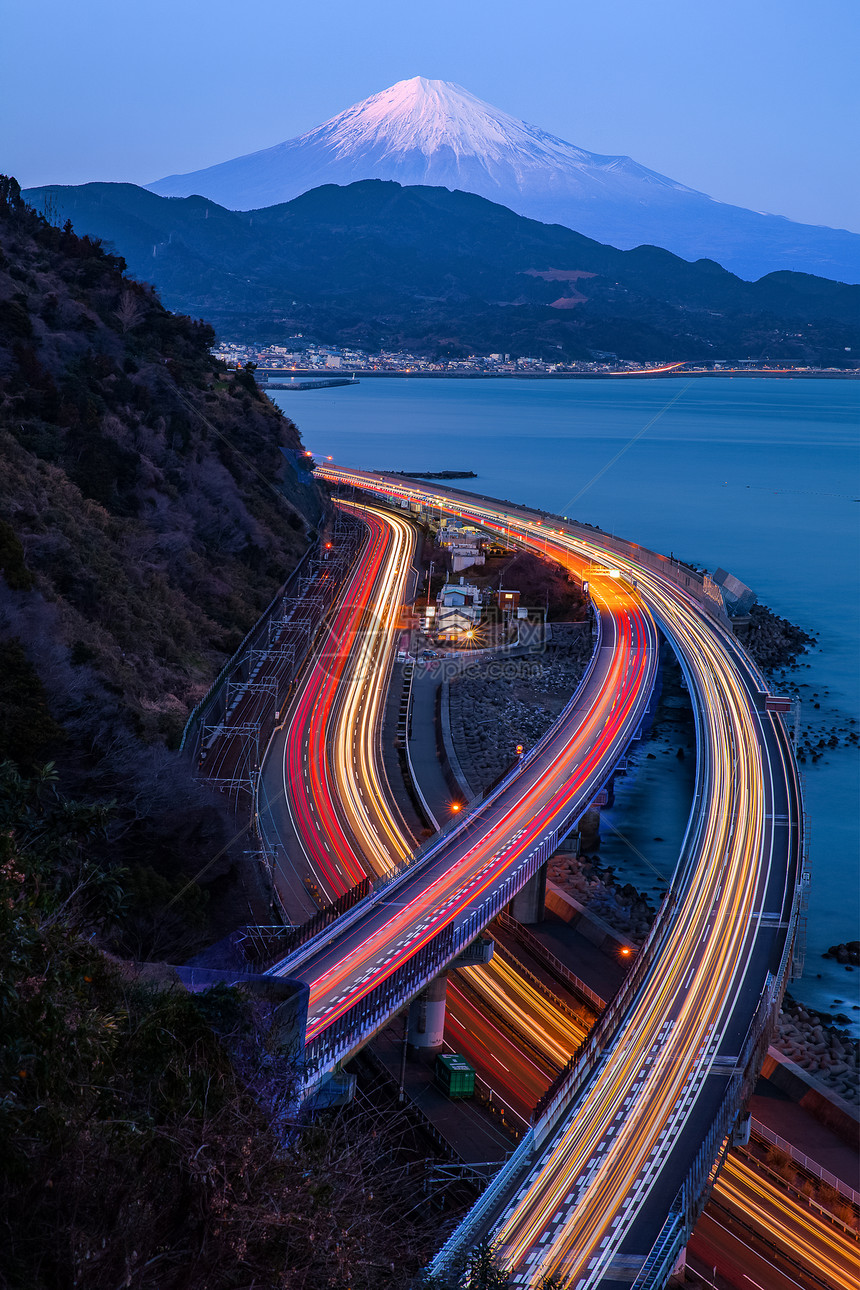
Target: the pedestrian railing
(764, 1134)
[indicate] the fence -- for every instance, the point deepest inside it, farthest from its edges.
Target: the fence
(354, 1027)
(536, 947)
(196, 717)
(260, 643)
(702, 1174)
(267, 945)
(461, 823)
(764, 1134)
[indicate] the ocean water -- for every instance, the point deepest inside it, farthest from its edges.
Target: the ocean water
(759, 476)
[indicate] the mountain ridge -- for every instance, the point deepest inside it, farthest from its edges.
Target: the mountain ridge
(434, 271)
(438, 134)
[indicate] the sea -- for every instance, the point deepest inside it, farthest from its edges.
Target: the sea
(759, 476)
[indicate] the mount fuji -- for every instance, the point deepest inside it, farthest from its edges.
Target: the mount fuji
(436, 133)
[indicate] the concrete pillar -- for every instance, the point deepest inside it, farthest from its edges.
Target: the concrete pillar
(426, 1027)
(528, 906)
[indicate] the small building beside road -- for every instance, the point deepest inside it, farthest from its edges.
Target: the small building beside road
(458, 610)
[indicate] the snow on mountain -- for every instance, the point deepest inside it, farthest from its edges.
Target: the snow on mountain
(436, 133)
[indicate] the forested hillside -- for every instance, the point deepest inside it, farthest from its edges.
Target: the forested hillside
(149, 1137)
(449, 274)
(143, 527)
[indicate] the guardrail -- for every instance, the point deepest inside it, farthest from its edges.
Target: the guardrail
(700, 594)
(764, 1134)
(531, 942)
(383, 887)
(355, 1026)
(699, 586)
(268, 945)
(693, 1194)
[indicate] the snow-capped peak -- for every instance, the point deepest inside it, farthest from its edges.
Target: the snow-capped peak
(432, 117)
(431, 132)
(425, 116)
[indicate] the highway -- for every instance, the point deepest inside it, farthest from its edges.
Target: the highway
(517, 1037)
(455, 887)
(323, 808)
(757, 1234)
(589, 1189)
(756, 1231)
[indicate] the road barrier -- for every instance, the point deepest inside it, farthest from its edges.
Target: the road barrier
(537, 948)
(764, 1134)
(267, 945)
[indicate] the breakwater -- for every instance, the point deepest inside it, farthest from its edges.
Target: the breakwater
(326, 384)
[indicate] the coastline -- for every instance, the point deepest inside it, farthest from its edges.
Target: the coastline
(361, 373)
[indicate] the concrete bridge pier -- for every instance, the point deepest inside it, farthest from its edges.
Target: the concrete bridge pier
(426, 1024)
(529, 904)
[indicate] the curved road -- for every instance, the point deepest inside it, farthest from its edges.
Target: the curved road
(322, 807)
(455, 884)
(587, 1191)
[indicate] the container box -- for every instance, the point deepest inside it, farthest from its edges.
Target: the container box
(454, 1075)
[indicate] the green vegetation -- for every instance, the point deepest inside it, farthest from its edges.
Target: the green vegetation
(448, 274)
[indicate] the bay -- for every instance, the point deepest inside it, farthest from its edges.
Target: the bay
(759, 476)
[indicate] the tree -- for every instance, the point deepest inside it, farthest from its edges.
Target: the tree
(130, 311)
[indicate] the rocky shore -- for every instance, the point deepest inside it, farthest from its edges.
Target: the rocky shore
(813, 1041)
(619, 904)
(499, 704)
(772, 641)
(822, 1049)
(777, 645)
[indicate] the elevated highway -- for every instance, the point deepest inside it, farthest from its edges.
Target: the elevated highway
(631, 1131)
(374, 959)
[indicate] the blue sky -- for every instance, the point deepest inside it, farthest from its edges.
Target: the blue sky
(752, 101)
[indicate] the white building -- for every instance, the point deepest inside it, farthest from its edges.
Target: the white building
(458, 610)
(464, 555)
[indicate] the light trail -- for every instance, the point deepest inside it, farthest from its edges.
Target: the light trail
(820, 1251)
(329, 779)
(576, 762)
(535, 1041)
(522, 1040)
(492, 1012)
(582, 1190)
(379, 835)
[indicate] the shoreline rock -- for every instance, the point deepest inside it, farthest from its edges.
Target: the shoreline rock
(492, 713)
(620, 905)
(825, 1052)
(772, 641)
